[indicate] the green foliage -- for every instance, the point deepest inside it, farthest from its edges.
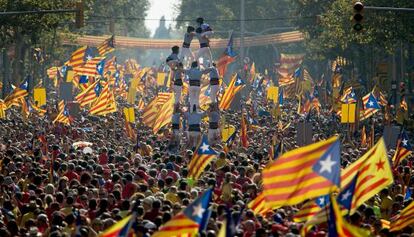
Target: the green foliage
(30, 26)
(333, 34)
(126, 15)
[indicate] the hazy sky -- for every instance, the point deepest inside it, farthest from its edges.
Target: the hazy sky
(158, 9)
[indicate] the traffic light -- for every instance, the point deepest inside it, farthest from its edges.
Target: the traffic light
(80, 17)
(358, 8)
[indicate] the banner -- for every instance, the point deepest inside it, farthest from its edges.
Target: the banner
(39, 96)
(129, 114)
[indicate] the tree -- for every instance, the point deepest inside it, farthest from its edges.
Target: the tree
(328, 27)
(20, 33)
(127, 16)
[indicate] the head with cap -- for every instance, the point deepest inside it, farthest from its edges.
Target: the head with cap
(194, 64)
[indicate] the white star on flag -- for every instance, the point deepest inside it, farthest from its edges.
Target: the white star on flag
(99, 67)
(346, 195)
(370, 103)
(198, 211)
(204, 147)
(405, 142)
(89, 57)
(238, 81)
(352, 94)
(321, 201)
(326, 165)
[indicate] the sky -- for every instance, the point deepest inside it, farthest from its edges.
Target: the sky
(158, 9)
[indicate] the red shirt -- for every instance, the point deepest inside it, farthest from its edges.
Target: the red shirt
(72, 175)
(129, 189)
(103, 159)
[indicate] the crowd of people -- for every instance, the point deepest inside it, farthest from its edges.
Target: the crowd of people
(54, 183)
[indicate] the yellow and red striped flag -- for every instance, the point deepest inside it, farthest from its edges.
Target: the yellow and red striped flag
(92, 68)
(107, 46)
(403, 149)
(63, 116)
(130, 131)
(308, 210)
(17, 93)
(77, 57)
(90, 94)
(120, 228)
(339, 227)
(236, 84)
(371, 106)
(302, 174)
(285, 81)
(3, 108)
(105, 103)
(226, 58)
(141, 104)
(404, 219)
(289, 63)
(258, 205)
(164, 115)
(150, 112)
(201, 158)
(374, 174)
(187, 222)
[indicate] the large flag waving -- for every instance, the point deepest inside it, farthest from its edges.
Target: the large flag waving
(403, 149)
(374, 174)
(92, 68)
(405, 218)
(226, 58)
(371, 173)
(339, 227)
(120, 228)
(236, 84)
(63, 116)
(371, 106)
(90, 94)
(17, 93)
(303, 173)
(201, 158)
(107, 46)
(187, 222)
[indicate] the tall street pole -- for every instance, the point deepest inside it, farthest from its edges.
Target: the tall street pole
(242, 18)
